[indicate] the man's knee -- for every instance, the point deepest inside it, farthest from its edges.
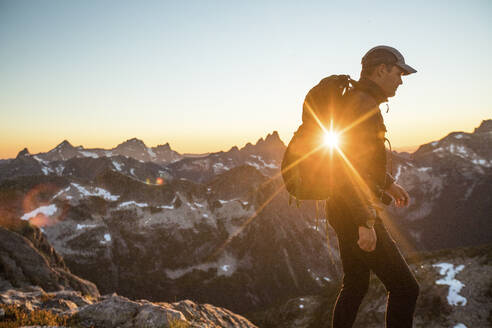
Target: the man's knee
(355, 285)
(410, 289)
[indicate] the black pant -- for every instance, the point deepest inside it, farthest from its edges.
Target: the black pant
(385, 261)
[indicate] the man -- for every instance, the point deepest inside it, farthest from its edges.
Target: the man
(364, 242)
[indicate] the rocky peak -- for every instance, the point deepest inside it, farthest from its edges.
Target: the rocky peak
(272, 146)
(132, 143)
(234, 149)
(23, 152)
(65, 145)
(485, 126)
(165, 147)
(274, 139)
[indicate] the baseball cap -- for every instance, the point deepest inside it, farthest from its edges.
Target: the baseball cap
(386, 54)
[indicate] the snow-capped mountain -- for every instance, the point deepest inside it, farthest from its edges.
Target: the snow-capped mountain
(135, 148)
(229, 241)
(83, 167)
(135, 159)
(265, 156)
(450, 182)
(132, 148)
(218, 229)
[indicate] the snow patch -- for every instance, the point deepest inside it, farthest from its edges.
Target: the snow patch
(98, 192)
(255, 165)
(117, 165)
(107, 238)
(170, 207)
(482, 162)
(88, 154)
(42, 161)
(222, 201)
(424, 169)
(151, 152)
(225, 266)
(132, 202)
(454, 285)
(85, 226)
(60, 192)
(59, 169)
(47, 210)
(269, 165)
(398, 172)
(459, 325)
(220, 167)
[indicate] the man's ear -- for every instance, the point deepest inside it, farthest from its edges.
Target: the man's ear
(381, 70)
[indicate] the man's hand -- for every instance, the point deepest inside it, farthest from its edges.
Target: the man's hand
(367, 239)
(399, 194)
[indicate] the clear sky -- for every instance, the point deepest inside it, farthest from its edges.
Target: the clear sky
(207, 75)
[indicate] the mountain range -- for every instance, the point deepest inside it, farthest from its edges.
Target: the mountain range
(152, 223)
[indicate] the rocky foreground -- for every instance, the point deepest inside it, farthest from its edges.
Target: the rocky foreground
(117, 311)
(36, 287)
(455, 292)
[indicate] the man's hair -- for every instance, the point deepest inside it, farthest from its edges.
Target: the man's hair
(376, 58)
(367, 70)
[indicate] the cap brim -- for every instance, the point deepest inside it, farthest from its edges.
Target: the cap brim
(407, 69)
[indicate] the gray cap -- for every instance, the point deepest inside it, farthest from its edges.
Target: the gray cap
(385, 54)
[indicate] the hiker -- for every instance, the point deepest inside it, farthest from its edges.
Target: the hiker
(354, 212)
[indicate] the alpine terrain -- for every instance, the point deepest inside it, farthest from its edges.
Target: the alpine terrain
(150, 223)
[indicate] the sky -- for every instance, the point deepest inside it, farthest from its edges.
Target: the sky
(207, 75)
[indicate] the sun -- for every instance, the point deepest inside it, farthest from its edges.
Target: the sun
(331, 139)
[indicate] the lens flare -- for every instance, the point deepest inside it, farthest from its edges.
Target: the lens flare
(39, 197)
(331, 139)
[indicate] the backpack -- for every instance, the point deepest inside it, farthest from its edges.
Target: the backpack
(310, 169)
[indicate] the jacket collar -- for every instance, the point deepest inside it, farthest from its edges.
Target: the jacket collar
(371, 87)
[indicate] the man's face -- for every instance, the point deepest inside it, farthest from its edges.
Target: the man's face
(390, 79)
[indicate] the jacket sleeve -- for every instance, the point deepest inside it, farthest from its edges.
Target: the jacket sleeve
(388, 181)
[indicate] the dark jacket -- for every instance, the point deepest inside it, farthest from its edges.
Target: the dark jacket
(363, 143)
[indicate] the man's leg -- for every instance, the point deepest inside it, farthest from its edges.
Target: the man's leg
(354, 287)
(391, 268)
(385, 261)
(356, 274)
